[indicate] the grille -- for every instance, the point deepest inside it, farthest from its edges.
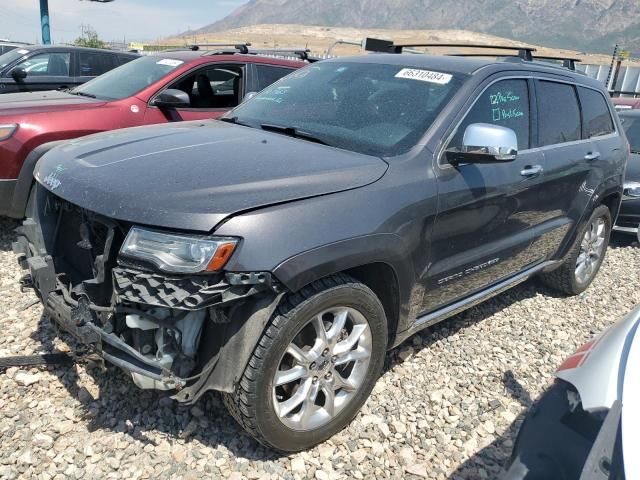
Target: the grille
(79, 240)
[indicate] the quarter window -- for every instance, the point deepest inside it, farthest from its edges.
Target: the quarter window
(505, 103)
(558, 112)
(596, 118)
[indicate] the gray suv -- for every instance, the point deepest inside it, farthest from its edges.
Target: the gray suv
(275, 255)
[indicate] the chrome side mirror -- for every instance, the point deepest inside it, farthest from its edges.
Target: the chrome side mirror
(486, 143)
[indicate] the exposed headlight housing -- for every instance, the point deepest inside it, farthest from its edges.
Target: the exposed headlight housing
(7, 130)
(631, 191)
(178, 253)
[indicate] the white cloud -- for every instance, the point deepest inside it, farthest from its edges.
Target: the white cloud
(133, 19)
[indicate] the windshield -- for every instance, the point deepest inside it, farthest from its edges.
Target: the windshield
(631, 125)
(128, 79)
(375, 109)
(11, 56)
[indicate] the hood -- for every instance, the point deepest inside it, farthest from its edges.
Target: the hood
(633, 168)
(597, 370)
(192, 175)
(39, 102)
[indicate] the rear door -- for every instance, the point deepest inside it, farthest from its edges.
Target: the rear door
(486, 212)
(93, 64)
(568, 160)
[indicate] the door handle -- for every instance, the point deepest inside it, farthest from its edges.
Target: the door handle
(531, 170)
(592, 156)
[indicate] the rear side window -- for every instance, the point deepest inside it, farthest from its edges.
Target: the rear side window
(268, 74)
(558, 112)
(505, 103)
(122, 59)
(95, 64)
(596, 118)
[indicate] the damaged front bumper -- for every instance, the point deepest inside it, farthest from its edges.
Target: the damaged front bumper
(136, 296)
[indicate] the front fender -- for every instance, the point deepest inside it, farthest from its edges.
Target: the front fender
(25, 179)
(387, 248)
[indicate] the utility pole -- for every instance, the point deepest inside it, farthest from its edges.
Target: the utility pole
(614, 57)
(44, 21)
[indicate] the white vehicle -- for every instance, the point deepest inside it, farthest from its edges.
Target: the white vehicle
(586, 425)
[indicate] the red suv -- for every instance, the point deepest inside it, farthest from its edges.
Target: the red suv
(164, 87)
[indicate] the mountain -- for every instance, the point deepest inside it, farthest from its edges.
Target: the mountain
(587, 25)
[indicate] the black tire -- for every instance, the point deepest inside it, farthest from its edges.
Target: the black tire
(564, 279)
(252, 404)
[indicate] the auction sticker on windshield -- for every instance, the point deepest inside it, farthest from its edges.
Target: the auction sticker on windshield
(424, 75)
(170, 62)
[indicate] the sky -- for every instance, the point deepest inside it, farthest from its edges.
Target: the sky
(120, 19)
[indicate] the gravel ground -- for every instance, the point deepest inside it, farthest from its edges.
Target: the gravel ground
(448, 405)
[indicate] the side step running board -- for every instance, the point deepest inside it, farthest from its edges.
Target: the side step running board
(468, 302)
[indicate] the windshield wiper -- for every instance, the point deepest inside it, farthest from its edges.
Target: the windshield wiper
(233, 120)
(292, 132)
(82, 94)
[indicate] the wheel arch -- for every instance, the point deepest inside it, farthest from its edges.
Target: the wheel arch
(379, 261)
(382, 279)
(610, 195)
(25, 179)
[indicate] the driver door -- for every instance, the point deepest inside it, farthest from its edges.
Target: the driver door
(213, 90)
(50, 70)
(486, 212)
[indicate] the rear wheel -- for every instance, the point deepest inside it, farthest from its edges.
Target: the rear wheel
(314, 366)
(586, 256)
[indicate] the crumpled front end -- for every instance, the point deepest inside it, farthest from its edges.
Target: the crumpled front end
(167, 330)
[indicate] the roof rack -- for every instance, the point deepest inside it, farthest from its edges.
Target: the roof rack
(525, 53)
(240, 47)
(567, 62)
(301, 53)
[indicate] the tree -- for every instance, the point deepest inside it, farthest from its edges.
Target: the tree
(89, 39)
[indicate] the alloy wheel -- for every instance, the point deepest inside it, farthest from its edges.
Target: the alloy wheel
(322, 368)
(591, 250)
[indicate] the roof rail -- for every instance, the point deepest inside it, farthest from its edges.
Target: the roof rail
(240, 47)
(525, 53)
(301, 53)
(569, 63)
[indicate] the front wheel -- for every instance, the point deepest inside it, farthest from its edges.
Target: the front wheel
(586, 256)
(314, 366)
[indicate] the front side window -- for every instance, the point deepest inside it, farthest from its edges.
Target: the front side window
(129, 79)
(596, 118)
(504, 103)
(371, 108)
(214, 87)
(53, 64)
(558, 112)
